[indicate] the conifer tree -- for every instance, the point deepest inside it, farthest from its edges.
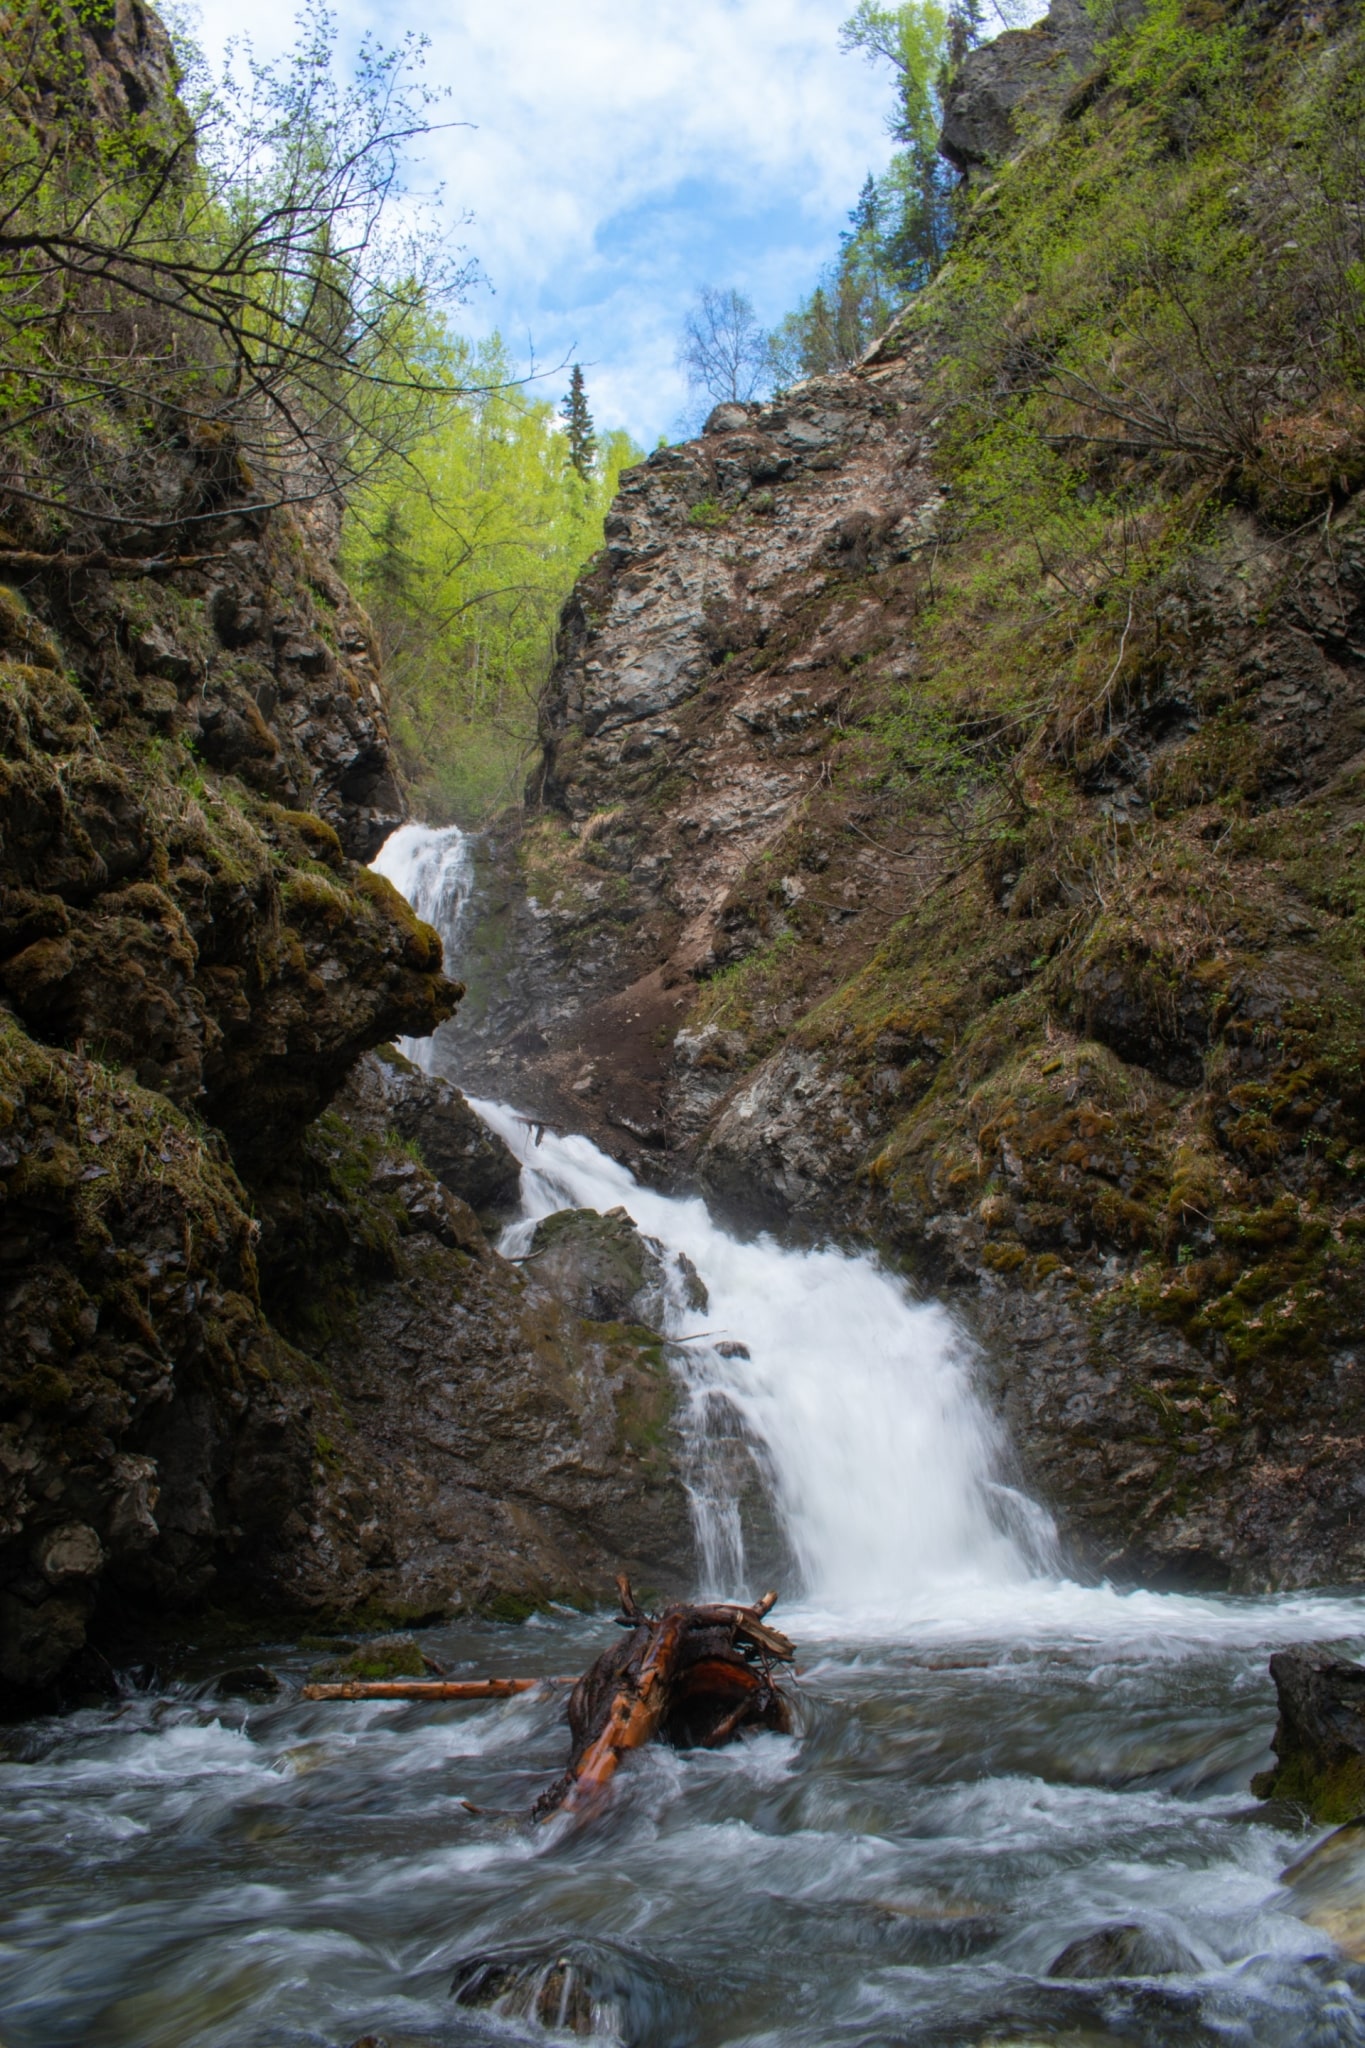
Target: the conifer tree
(582, 437)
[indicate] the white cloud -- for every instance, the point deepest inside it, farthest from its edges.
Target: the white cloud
(625, 154)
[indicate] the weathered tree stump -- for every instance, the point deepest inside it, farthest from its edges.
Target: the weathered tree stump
(692, 1677)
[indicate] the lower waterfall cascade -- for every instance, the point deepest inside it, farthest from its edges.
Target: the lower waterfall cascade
(992, 1761)
(856, 1398)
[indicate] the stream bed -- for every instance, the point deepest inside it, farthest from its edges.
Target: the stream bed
(991, 1762)
(179, 1869)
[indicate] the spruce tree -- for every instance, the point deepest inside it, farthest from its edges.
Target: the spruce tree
(574, 411)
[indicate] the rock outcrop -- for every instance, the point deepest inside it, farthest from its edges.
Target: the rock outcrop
(248, 1347)
(477, 1443)
(893, 870)
(387, 1094)
(1005, 86)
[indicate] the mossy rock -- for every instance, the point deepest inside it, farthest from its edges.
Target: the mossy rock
(385, 1657)
(600, 1265)
(1320, 1735)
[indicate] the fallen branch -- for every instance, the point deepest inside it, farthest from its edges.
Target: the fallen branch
(427, 1688)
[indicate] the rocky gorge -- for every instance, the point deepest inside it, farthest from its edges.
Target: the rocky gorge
(896, 870)
(255, 1347)
(952, 843)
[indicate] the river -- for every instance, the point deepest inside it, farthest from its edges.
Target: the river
(991, 1759)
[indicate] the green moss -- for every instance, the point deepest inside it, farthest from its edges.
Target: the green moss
(1332, 1796)
(709, 513)
(389, 1657)
(513, 1608)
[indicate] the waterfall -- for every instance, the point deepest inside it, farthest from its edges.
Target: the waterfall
(856, 1397)
(433, 870)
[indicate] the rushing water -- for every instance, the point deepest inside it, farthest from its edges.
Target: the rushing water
(990, 1759)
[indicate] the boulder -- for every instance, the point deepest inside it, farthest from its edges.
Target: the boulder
(1125, 1950)
(389, 1093)
(1327, 1888)
(600, 1266)
(1319, 1738)
(592, 1988)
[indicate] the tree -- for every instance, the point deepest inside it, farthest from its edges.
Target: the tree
(221, 277)
(464, 558)
(904, 224)
(724, 351)
(574, 412)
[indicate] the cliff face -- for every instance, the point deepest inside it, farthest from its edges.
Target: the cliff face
(248, 1347)
(952, 841)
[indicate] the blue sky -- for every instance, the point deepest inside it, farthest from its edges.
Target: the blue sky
(623, 155)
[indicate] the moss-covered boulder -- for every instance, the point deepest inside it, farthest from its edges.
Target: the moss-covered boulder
(601, 1264)
(1319, 1739)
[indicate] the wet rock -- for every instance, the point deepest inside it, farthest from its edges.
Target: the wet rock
(247, 1682)
(72, 1552)
(694, 1291)
(598, 1990)
(784, 1139)
(478, 1446)
(457, 1146)
(1125, 1950)
(1327, 1888)
(601, 1265)
(1319, 1738)
(385, 1657)
(128, 1302)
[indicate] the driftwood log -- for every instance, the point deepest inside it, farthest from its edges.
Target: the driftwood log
(426, 1688)
(692, 1677)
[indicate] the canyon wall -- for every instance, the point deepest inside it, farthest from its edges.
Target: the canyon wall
(960, 854)
(254, 1351)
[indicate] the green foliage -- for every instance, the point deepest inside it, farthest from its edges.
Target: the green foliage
(903, 223)
(464, 559)
(1173, 289)
(213, 274)
(853, 303)
(708, 512)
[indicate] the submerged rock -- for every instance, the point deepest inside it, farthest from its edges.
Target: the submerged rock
(383, 1657)
(1319, 1738)
(598, 1990)
(1327, 1888)
(246, 1682)
(1125, 1950)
